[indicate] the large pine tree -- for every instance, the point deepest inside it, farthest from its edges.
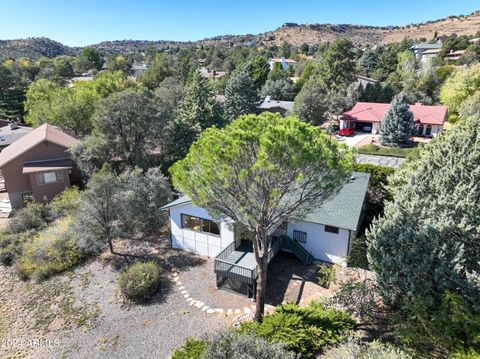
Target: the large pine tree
(428, 241)
(242, 96)
(398, 125)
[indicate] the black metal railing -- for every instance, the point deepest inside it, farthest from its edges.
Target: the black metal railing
(294, 247)
(235, 271)
(226, 251)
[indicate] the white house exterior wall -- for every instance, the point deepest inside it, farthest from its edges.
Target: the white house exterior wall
(323, 246)
(436, 129)
(194, 241)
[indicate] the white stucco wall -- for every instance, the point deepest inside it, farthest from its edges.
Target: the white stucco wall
(436, 129)
(202, 243)
(323, 246)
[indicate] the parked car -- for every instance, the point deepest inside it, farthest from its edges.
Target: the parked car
(367, 128)
(346, 132)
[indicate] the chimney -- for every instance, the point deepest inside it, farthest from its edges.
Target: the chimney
(268, 98)
(13, 126)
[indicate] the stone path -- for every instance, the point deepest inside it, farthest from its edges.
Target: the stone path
(380, 160)
(204, 307)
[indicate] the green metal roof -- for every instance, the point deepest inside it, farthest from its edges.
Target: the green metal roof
(177, 202)
(344, 210)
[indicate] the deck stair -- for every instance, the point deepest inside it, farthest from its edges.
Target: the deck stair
(236, 268)
(290, 245)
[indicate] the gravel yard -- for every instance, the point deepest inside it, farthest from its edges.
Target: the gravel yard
(82, 315)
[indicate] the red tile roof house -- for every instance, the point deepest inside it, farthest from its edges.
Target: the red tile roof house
(39, 165)
(429, 119)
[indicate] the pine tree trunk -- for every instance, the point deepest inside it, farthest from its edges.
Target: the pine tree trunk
(261, 286)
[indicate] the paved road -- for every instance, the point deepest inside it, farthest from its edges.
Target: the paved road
(380, 160)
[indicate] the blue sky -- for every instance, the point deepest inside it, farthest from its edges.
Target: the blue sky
(83, 22)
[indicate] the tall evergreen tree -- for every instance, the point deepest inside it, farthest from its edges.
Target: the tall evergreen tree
(242, 96)
(12, 94)
(398, 124)
(311, 104)
(197, 111)
(428, 241)
(336, 67)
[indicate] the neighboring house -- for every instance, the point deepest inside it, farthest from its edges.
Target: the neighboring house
(454, 55)
(138, 70)
(12, 132)
(282, 107)
(427, 55)
(419, 49)
(207, 73)
(285, 63)
(367, 116)
(38, 165)
(323, 234)
(364, 80)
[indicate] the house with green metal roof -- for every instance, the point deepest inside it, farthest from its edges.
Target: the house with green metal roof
(322, 234)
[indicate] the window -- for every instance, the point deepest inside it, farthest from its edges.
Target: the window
(420, 130)
(200, 224)
(428, 132)
(49, 177)
(331, 229)
(299, 236)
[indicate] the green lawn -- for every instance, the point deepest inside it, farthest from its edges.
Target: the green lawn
(384, 151)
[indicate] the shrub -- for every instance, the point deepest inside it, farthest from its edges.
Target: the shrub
(65, 203)
(452, 327)
(353, 348)
(326, 275)
(357, 298)
(358, 253)
(229, 344)
(232, 344)
(11, 245)
(140, 281)
(32, 216)
(191, 349)
(51, 251)
(303, 330)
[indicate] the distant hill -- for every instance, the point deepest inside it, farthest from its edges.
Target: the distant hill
(33, 48)
(292, 33)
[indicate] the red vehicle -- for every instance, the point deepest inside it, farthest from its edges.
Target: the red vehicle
(346, 132)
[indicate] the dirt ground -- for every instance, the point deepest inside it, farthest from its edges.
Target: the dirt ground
(81, 314)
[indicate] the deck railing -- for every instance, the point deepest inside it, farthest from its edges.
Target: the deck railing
(235, 271)
(226, 251)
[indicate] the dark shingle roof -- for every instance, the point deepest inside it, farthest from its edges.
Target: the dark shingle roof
(344, 210)
(178, 201)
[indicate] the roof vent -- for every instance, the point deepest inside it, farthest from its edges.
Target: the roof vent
(352, 178)
(13, 126)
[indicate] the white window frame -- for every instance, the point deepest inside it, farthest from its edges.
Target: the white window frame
(202, 220)
(41, 177)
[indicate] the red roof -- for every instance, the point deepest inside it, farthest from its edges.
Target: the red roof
(375, 112)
